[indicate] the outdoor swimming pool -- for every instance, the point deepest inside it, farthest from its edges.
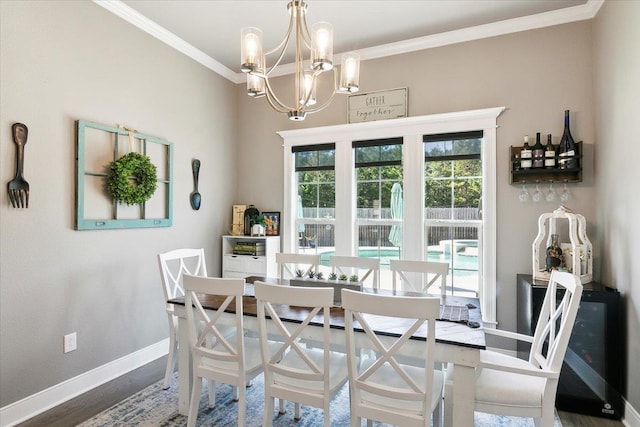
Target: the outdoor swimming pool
(463, 277)
(462, 261)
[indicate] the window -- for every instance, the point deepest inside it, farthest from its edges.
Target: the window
(315, 196)
(443, 164)
(452, 203)
(378, 168)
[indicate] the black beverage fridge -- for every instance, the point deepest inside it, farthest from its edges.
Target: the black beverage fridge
(592, 372)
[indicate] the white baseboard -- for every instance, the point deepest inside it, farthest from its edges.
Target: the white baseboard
(35, 404)
(631, 416)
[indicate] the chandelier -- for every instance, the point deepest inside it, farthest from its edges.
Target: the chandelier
(319, 42)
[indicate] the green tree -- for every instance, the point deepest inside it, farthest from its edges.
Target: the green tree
(317, 189)
(456, 180)
(375, 183)
(450, 182)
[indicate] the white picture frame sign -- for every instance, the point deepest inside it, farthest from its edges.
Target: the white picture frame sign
(380, 105)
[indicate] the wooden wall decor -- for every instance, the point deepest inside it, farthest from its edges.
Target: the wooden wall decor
(96, 146)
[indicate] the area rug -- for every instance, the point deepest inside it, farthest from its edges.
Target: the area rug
(155, 407)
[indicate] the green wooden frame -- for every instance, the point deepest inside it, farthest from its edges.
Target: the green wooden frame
(141, 218)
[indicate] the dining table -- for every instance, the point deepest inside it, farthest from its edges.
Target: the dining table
(458, 341)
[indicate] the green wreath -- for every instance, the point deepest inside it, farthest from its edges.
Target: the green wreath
(119, 183)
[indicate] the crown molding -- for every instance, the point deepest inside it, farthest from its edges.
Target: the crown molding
(145, 24)
(547, 19)
(541, 20)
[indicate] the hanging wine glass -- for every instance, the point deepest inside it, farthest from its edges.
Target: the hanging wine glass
(565, 195)
(537, 195)
(524, 195)
(551, 194)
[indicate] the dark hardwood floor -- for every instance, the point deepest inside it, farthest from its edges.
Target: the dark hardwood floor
(93, 402)
(569, 419)
(97, 400)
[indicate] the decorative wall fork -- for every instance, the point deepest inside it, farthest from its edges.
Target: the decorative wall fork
(18, 187)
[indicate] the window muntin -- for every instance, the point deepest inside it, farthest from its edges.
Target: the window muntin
(453, 193)
(316, 196)
(317, 191)
(373, 190)
(378, 167)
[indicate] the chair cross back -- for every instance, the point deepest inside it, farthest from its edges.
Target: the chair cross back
(209, 331)
(346, 264)
(219, 354)
(291, 343)
(232, 290)
(189, 261)
(555, 323)
(387, 355)
(315, 298)
(295, 372)
(386, 378)
(173, 266)
(402, 269)
(289, 262)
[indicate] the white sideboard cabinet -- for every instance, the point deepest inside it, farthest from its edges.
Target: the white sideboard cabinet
(243, 265)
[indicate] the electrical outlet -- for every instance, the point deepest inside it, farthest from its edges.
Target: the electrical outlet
(70, 342)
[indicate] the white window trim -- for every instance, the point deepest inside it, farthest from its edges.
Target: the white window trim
(411, 129)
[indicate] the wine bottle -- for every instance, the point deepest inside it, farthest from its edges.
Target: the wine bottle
(554, 254)
(525, 154)
(538, 153)
(549, 154)
(567, 149)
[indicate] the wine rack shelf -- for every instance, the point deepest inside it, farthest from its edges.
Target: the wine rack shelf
(535, 175)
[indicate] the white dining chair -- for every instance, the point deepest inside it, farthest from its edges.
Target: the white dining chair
(295, 372)
(173, 265)
(365, 268)
(511, 386)
(419, 276)
(381, 387)
(217, 356)
(289, 263)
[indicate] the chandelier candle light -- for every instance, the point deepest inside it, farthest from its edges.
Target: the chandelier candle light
(319, 42)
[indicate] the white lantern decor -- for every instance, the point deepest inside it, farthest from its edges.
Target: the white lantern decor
(577, 254)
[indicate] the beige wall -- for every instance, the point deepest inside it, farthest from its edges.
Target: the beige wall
(617, 96)
(63, 61)
(535, 74)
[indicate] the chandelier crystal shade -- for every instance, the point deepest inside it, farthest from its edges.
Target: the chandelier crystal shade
(319, 44)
